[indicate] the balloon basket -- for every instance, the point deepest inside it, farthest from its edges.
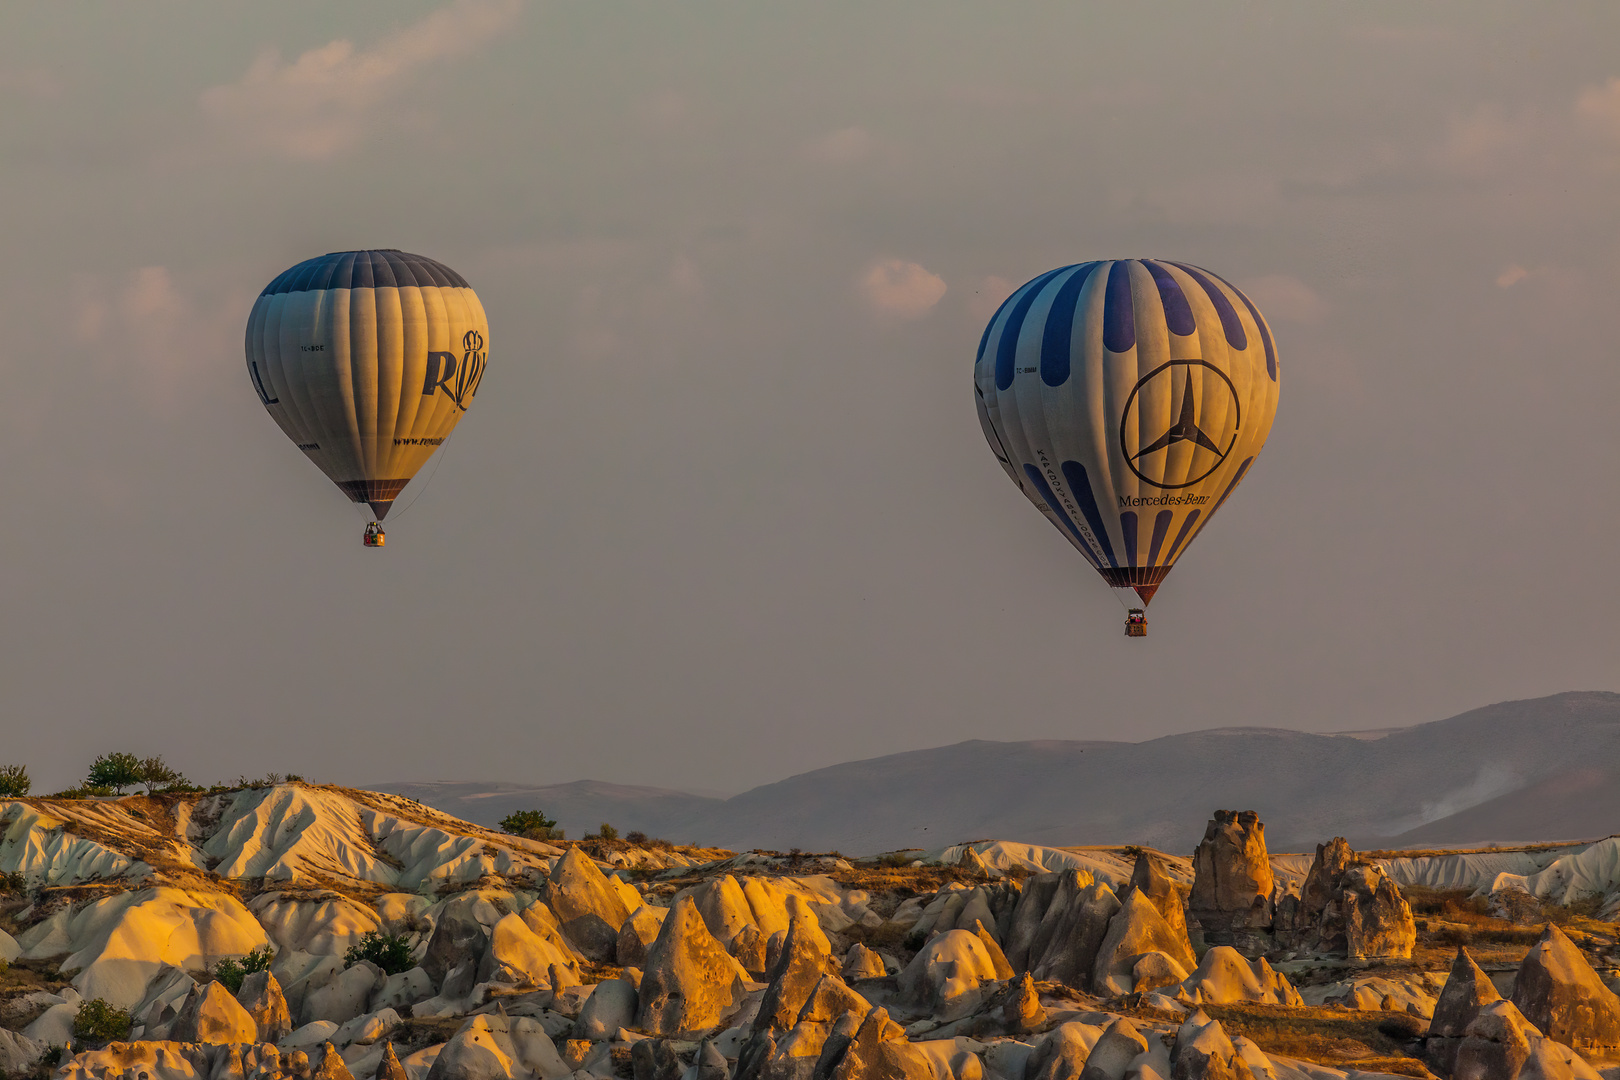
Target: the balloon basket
(1136, 623)
(375, 537)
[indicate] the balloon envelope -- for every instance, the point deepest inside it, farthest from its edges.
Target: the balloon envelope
(367, 360)
(1127, 400)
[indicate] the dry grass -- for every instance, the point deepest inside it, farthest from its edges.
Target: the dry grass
(1336, 1037)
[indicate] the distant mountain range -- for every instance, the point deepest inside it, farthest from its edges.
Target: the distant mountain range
(1543, 769)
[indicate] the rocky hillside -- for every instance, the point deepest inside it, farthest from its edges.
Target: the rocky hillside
(1514, 772)
(301, 931)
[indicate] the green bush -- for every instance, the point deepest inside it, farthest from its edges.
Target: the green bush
(531, 825)
(230, 971)
(391, 952)
(607, 832)
(12, 881)
(83, 791)
(14, 782)
(100, 1022)
(116, 771)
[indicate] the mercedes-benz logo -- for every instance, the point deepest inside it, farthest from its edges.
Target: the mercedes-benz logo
(1188, 426)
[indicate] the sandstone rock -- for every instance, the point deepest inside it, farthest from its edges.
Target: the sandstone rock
(402, 990)
(263, 1000)
(611, 1006)
(345, 997)
(748, 949)
(1062, 1054)
(1551, 1060)
(1232, 883)
(1030, 909)
(211, 1015)
(498, 1048)
(723, 906)
(389, 1067)
(589, 910)
(947, 975)
(831, 999)
(878, 1050)
(1066, 946)
(1120, 1044)
(1496, 1045)
(1224, 975)
(18, 1053)
(862, 963)
(690, 981)
(331, 1066)
(1203, 1052)
(998, 959)
(460, 939)
(1014, 1009)
(517, 956)
(1149, 879)
(1347, 907)
(1135, 930)
(804, 958)
(637, 933)
(1557, 990)
(1468, 990)
(654, 1059)
(543, 922)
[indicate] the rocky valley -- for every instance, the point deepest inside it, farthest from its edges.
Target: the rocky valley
(296, 930)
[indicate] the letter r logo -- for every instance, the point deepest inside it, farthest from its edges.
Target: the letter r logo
(441, 367)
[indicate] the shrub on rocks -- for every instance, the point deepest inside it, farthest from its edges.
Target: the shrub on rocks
(97, 1021)
(390, 952)
(231, 971)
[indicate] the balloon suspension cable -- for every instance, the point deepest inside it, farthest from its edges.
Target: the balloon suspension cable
(437, 461)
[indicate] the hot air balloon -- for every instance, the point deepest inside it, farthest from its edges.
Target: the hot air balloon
(1127, 400)
(367, 360)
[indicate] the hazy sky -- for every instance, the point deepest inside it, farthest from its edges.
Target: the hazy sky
(722, 511)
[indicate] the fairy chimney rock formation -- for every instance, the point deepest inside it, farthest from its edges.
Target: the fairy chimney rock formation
(1232, 882)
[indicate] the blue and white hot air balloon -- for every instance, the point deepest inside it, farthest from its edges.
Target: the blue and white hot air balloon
(367, 360)
(1127, 400)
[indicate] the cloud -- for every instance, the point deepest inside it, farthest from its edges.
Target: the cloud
(150, 330)
(1282, 298)
(900, 288)
(1511, 276)
(318, 105)
(1599, 108)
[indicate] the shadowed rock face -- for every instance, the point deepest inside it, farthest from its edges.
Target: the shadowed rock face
(1557, 990)
(1149, 879)
(1072, 933)
(805, 957)
(1496, 1045)
(261, 996)
(589, 910)
(690, 981)
(1468, 990)
(878, 1050)
(1347, 907)
(1134, 932)
(211, 1015)
(1232, 880)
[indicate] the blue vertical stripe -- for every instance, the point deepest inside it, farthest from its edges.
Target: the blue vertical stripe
(1181, 537)
(1265, 334)
(1243, 468)
(1230, 323)
(1051, 501)
(1007, 346)
(1119, 313)
(1057, 338)
(1080, 484)
(1178, 314)
(984, 339)
(1161, 525)
(1127, 525)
